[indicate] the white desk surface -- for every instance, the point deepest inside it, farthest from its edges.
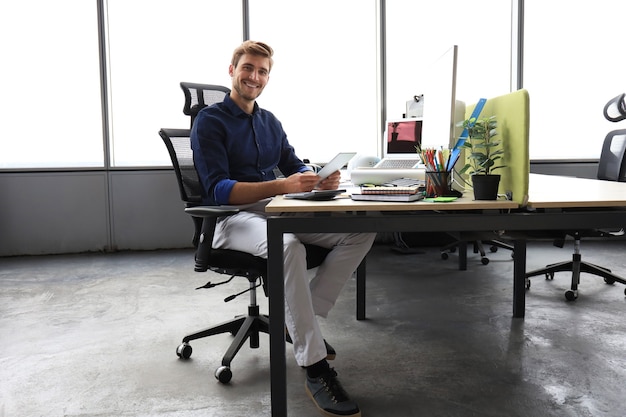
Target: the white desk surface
(553, 191)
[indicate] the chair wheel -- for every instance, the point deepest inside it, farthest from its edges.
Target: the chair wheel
(549, 276)
(609, 281)
(571, 295)
(223, 374)
(484, 261)
(493, 249)
(184, 350)
(444, 255)
(527, 284)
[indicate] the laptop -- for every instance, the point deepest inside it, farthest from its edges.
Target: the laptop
(402, 142)
(400, 159)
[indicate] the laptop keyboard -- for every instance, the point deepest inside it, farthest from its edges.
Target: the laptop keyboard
(397, 163)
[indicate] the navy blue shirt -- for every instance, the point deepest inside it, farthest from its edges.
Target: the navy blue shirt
(230, 145)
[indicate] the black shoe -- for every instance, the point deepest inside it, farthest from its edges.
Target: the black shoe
(331, 354)
(330, 397)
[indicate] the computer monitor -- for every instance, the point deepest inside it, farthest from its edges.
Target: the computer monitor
(442, 111)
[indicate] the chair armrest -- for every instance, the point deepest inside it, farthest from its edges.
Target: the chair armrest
(205, 229)
(211, 211)
(205, 219)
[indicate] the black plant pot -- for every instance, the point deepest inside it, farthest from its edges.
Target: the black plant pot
(485, 186)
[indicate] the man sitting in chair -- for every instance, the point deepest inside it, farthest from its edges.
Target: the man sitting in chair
(237, 145)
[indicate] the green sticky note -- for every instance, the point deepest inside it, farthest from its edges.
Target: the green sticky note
(441, 199)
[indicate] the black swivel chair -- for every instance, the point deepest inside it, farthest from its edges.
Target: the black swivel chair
(478, 246)
(612, 167)
(229, 262)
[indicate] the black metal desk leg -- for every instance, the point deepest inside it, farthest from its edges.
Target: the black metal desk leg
(360, 291)
(276, 294)
(462, 247)
(519, 278)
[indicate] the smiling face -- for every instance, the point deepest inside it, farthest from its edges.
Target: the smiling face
(249, 76)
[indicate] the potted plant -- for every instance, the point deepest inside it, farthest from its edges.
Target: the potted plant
(485, 157)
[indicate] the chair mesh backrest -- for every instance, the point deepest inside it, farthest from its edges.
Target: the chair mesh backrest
(612, 164)
(178, 145)
(199, 96)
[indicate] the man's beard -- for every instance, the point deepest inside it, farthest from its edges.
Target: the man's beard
(239, 87)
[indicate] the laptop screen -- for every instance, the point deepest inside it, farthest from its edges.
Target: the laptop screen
(403, 138)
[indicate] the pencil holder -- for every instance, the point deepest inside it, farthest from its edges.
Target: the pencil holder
(437, 183)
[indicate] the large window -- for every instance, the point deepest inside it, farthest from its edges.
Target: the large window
(419, 32)
(323, 84)
(50, 85)
(573, 65)
(153, 46)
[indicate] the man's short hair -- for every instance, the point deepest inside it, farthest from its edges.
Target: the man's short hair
(252, 48)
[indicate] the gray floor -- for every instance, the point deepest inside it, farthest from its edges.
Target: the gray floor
(95, 335)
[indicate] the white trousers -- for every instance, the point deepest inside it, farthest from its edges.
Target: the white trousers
(304, 299)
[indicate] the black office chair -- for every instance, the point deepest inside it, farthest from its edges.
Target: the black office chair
(229, 262)
(478, 246)
(199, 96)
(612, 167)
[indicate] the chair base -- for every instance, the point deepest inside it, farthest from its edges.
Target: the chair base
(242, 327)
(576, 266)
(479, 247)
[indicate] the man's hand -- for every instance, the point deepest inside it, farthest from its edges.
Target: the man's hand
(250, 192)
(331, 182)
(301, 181)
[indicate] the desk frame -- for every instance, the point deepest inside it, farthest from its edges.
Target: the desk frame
(374, 221)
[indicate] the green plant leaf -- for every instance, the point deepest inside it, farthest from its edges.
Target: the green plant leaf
(483, 149)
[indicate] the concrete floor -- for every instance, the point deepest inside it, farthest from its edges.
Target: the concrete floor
(95, 335)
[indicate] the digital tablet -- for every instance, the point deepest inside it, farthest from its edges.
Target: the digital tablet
(320, 195)
(336, 164)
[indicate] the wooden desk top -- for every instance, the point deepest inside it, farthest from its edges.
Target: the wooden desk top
(545, 191)
(345, 203)
(554, 191)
